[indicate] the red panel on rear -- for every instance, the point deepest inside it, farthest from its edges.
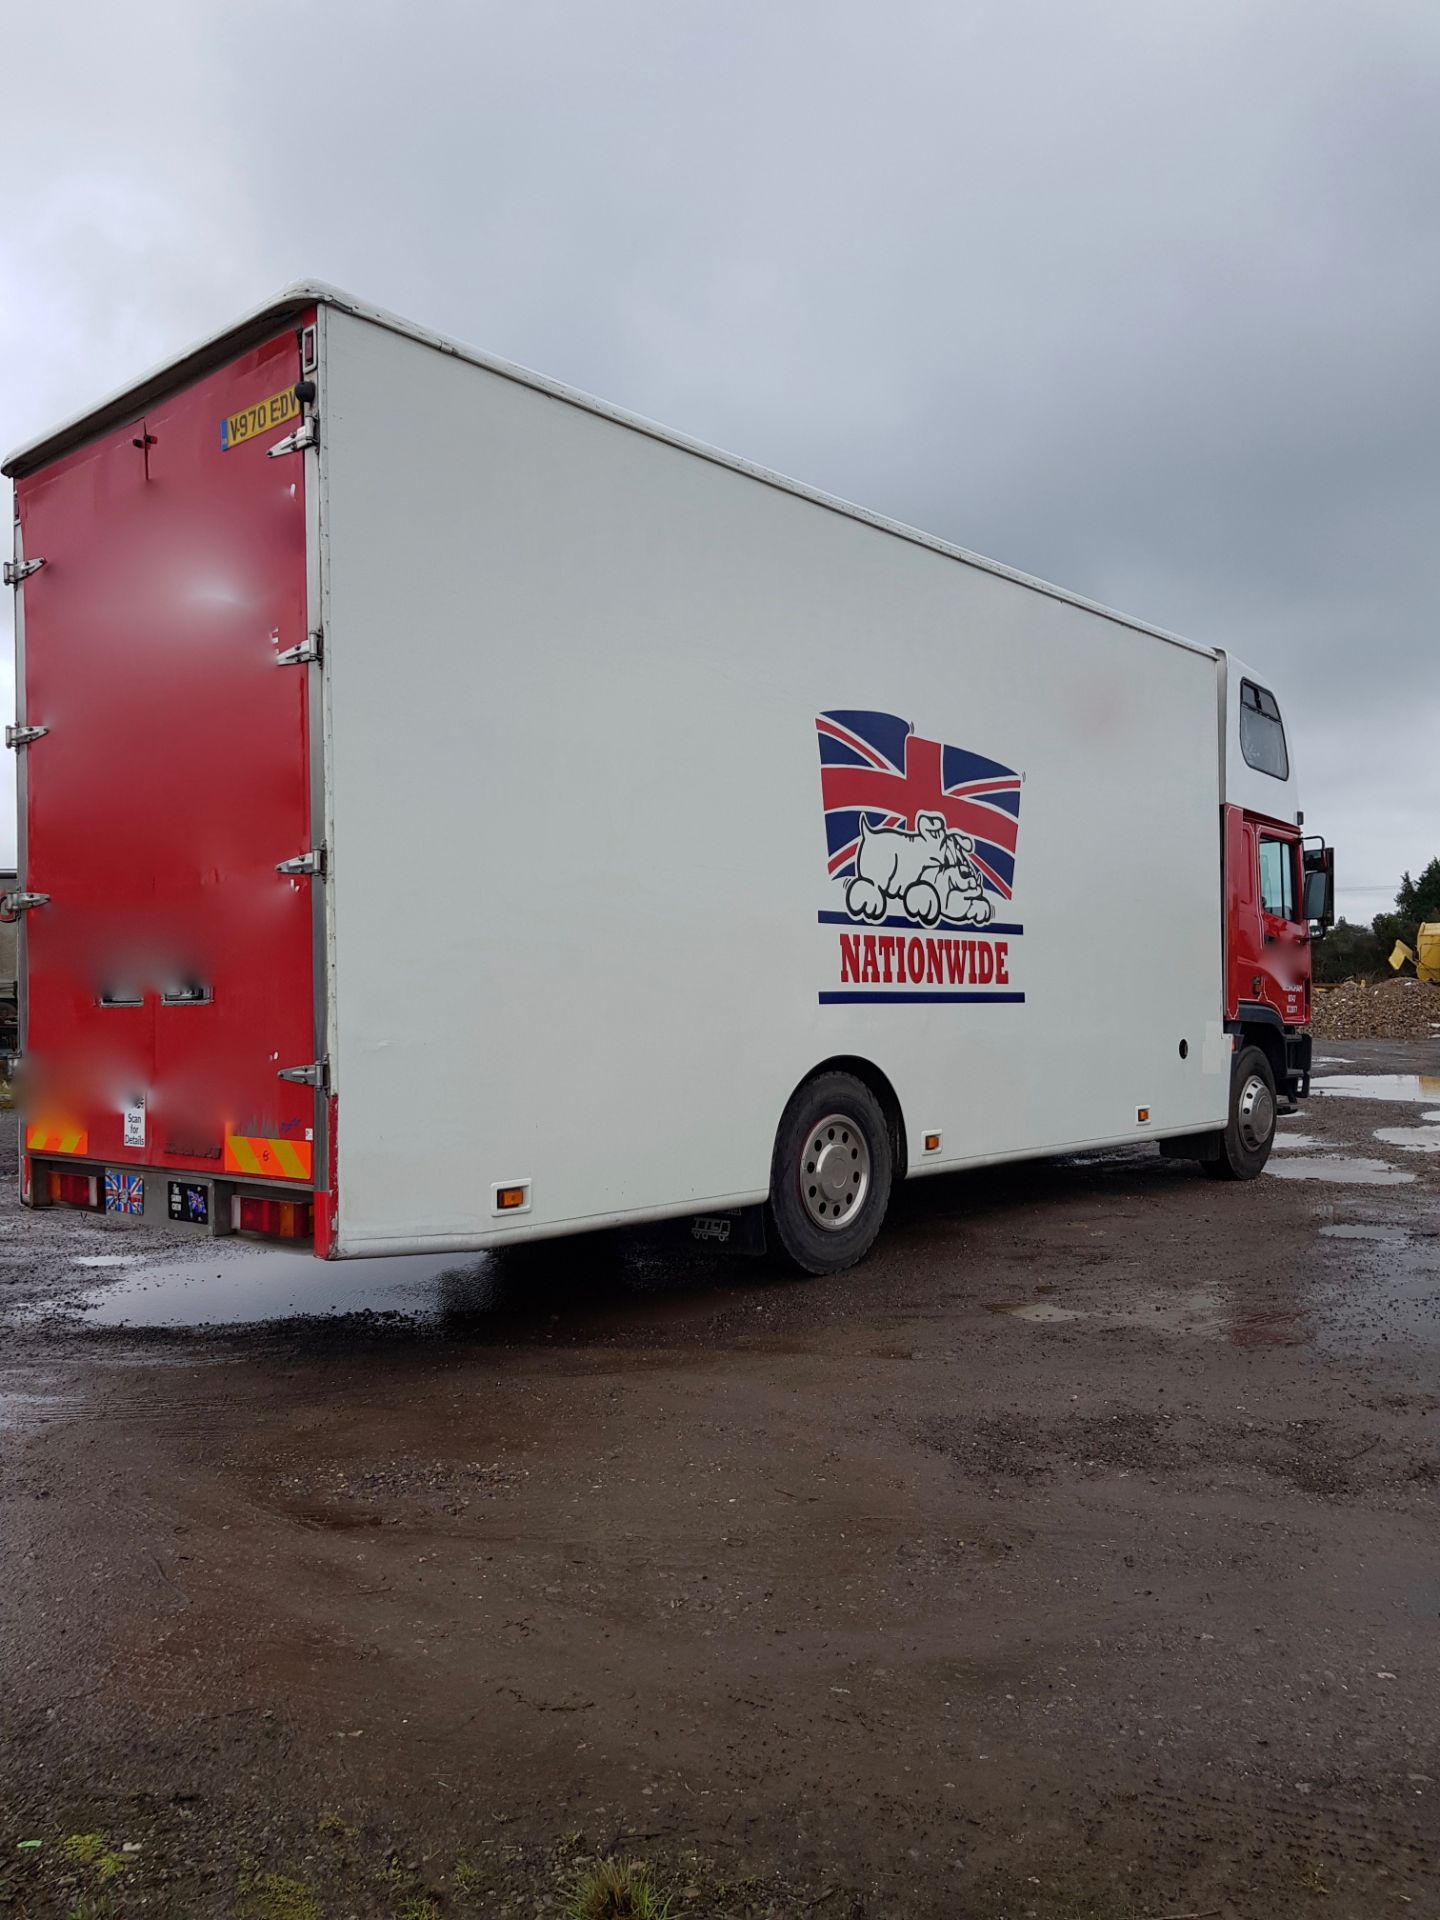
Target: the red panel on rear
(173, 778)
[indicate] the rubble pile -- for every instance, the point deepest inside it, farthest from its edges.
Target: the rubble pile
(1400, 1009)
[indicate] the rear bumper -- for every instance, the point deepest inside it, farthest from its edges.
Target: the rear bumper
(192, 1203)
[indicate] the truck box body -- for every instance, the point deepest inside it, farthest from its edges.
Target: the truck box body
(629, 786)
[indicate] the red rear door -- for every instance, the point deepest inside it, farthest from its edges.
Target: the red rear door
(171, 970)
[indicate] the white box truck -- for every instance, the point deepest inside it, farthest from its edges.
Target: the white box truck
(454, 811)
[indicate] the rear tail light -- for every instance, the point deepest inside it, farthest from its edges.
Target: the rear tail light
(73, 1189)
(276, 1219)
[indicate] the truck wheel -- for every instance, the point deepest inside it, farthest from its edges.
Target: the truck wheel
(1250, 1130)
(831, 1173)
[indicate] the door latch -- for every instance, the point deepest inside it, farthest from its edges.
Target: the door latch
(18, 570)
(313, 862)
(24, 736)
(307, 434)
(13, 903)
(316, 1075)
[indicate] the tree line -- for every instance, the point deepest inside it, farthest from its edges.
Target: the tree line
(1349, 949)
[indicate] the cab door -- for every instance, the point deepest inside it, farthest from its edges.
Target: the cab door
(1269, 959)
(1285, 938)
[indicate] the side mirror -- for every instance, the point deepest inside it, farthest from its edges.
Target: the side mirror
(1319, 894)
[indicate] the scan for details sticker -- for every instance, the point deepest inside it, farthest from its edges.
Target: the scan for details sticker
(920, 845)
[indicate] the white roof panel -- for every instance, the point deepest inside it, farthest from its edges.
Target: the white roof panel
(130, 400)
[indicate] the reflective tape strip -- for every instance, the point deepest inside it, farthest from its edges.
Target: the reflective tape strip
(43, 1139)
(268, 1159)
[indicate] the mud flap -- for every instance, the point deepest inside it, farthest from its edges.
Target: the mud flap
(1192, 1146)
(1297, 1066)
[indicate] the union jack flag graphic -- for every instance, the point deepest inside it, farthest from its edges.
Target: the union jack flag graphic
(124, 1193)
(876, 765)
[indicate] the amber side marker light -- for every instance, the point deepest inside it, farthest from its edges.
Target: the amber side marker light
(1142, 1114)
(510, 1196)
(932, 1143)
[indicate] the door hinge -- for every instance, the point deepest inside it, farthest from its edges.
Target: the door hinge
(13, 903)
(23, 736)
(313, 862)
(312, 647)
(316, 1075)
(307, 434)
(18, 570)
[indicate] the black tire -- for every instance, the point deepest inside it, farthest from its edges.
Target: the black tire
(832, 1160)
(1250, 1130)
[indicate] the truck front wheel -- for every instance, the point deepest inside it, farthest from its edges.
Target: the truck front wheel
(1250, 1130)
(831, 1173)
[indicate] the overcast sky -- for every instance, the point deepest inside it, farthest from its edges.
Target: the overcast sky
(1141, 296)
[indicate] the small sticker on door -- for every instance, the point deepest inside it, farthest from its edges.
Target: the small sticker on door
(260, 418)
(135, 1124)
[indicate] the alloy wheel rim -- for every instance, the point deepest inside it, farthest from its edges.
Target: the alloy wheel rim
(834, 1172)
(1255, 1113)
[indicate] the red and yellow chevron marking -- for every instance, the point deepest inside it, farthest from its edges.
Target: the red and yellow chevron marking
(268, 1159)
(47, 1138)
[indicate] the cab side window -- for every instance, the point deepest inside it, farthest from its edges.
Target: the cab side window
(1277, 878)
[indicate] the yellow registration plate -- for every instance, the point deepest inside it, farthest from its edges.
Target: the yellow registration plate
(260, 418)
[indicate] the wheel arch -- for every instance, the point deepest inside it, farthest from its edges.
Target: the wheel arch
(883, 1089)
(1262, 1027)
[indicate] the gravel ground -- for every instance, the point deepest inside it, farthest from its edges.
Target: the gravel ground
(1073, 1558)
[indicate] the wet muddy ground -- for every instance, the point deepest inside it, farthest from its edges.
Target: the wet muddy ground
(1075, 1556)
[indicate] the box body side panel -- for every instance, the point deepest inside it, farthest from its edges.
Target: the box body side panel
(590, 922)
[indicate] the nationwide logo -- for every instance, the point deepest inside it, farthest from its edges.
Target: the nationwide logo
(919, 836)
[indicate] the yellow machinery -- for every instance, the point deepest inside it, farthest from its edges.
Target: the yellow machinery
(1425, 956)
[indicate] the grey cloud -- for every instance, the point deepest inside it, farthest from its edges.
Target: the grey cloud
(1140, 298)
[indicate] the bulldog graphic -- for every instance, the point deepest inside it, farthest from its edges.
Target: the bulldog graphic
(928, 873)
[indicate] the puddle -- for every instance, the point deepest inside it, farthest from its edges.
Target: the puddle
(1413, 1139)
(245, 1288)
(107, 1260)
(1379, 1086)
(1291, 1141)
(1345, 1173)
(1376, 1293)
(1203, 1312)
